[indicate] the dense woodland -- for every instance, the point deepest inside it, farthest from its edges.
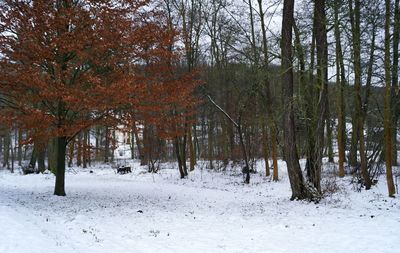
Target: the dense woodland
(222, 81)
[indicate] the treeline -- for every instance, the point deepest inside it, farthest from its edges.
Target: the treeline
(221, 81)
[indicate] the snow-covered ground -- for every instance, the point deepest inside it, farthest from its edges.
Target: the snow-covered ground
(208, 212)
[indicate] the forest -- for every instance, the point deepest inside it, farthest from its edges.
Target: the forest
(253, 108)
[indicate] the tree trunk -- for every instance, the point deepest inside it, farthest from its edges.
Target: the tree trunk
(41, 159)
(61, 144)
(388, 106)
(353, 141)
(85, 149)
(395, 78)
(266, 150)
(71, 152)
(268, 97)
(106, 144)
(1, 145)
(88, 148)
(340, 82)
(182, 150)
(19, 149)
(52, 155)
(192, 153)
(243, 147)
(139, 144)
(329, 136)
(97, 148)
(210, 139)
(12, 157)
(7, 144)
(79, 151)
(132, 145)
(32, 162)
(358, 119)
(274, 138)
(113, 146)
(315, 154)
(299, 190)
(178, 157)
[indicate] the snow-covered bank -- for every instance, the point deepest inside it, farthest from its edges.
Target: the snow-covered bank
(208, 212)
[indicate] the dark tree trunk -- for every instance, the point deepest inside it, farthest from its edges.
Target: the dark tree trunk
(395, 79)
(1, 145)
(268, 97)
(265, 148)
(106, 145)
(182, 150)
(85, 149)
(32, 162)
(322, 80)
(210, 139)
(138, 144)
(12, 157)
(71, 152)
(388, 106)
(79, 151)
(41, 159)
(59, 188)
(132, 145)
(299, 190)
(88, 148)
(145, 146)
(178, 157)
(353, 142)
(112, 150)
(192, 152)
(244, 151)
(358, 118)
(341, 82)
(7, 145)
(19, 149)
(97, 148)
(52, 155)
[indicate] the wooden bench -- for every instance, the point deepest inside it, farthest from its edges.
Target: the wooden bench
(124, 169)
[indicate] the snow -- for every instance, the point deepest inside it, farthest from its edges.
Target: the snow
(208, 212)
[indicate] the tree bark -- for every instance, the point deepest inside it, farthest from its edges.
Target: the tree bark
(79, 151)
(52, 155)
(268, 97)
(107, 145)
(266, 150)
(19, 149)
(358, 119)
(316, 152)
(61, 144)
(341, 83)
(71, 152)
(41, 159)
(7, 144)
(97, 148)
(85, 149)
(210, 139)
(138, 144)
(388, 106)
(178, 157)
(299, 190)
(192, 153)
(395, 79)
(32, 162)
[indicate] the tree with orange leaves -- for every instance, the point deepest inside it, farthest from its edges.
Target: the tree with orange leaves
(66, 65)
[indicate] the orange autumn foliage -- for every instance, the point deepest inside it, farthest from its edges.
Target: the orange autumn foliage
(67, 65)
